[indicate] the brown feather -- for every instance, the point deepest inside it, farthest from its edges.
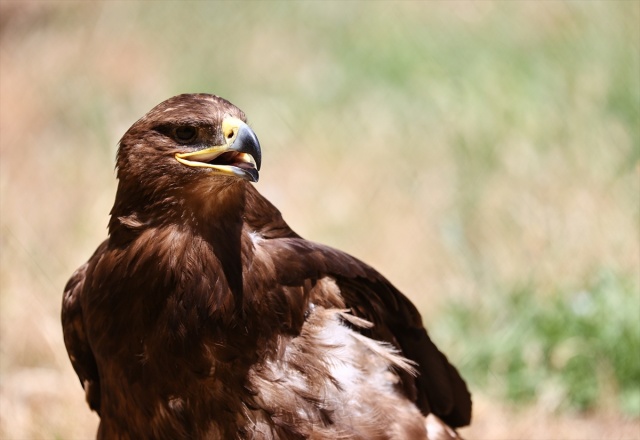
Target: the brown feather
(203, 315)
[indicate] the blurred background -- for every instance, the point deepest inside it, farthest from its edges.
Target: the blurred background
(484, 156)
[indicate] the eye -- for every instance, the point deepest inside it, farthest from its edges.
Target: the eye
(185, 134)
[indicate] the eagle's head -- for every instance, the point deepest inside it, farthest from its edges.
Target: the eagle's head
(188, 148)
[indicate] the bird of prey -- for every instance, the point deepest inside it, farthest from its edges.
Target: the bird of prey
(204, 316)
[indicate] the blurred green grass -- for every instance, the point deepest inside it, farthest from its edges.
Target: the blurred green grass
(575, 349)
(482, 155)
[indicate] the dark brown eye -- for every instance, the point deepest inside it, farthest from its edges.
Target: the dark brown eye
(185, 134)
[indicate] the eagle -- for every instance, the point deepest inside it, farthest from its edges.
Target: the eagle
(204, 316)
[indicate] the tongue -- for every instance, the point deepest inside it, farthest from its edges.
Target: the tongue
(243, 165)
(227, 158)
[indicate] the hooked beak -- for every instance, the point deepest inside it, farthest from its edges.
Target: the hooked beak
(240, 155)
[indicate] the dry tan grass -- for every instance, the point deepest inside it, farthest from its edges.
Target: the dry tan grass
(74, 77)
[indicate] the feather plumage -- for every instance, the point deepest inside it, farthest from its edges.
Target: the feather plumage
(203, 315)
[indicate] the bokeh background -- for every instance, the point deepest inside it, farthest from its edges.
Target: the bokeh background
(483, 155)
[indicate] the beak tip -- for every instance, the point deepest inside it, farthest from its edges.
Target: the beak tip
(247, 142)
(252, 175)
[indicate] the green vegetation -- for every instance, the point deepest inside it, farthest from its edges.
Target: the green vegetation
(577, 349)
(483, 155)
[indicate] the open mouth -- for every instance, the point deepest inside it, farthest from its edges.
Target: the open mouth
(235, 159)
(240, 156)
(223, 161)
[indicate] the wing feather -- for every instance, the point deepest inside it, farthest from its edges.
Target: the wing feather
(75, 338)
(439, 388)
